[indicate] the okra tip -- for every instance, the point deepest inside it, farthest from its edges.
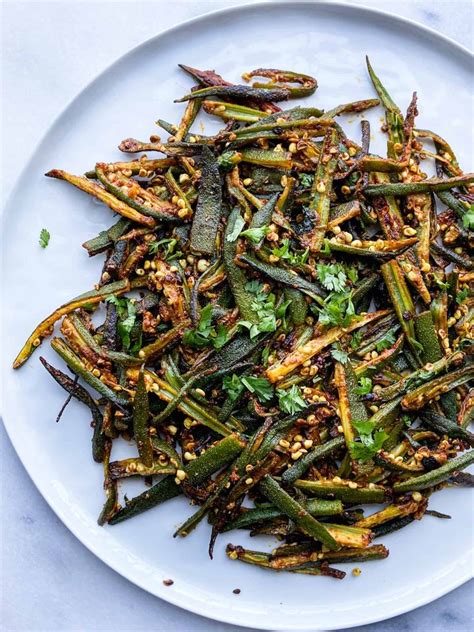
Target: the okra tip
(55, 173)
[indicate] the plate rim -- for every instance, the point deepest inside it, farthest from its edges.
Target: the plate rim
(438, 589)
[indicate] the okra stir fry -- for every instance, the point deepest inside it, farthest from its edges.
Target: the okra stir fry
(287, 332)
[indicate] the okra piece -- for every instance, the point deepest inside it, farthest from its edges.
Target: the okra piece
(279, 370)
(238, 92)
(401, 300)
(197, 471)
(104, 196)
(264, 560)
(266, 158)
(296, 512)
(319, 452)
(232, 111)
(389, 513)
(343, 212)
(138, 198)
(306, 85)
(136, 467)
(315, 506)
(110, 488)
(235, 275)
(209, 207)
(427, 336)
(322, 184)
(427, 392)
(454, 257)
(44, 329)
(379, 249)
(394, 118)
(106, 238)
(347, 491)
(79, 392)
(375, 552)
(430, 479)
(148, 352)
(445, 426)
(141, 414)
(349, 404)
(143, 168)
(285, 277)
(423, 186)
(421, 376)
(77, 366)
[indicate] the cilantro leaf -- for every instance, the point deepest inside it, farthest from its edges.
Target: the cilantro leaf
(326, 249)
(255, 234)
(338, 310)
(363, 427)
(258, 385)
(468, 218)
(44, 238)
(284, 252)
(369, 443)
(352, 274)
(339, 355)
(239, 224)
(291, 400)
(126, 325)
(264, 306)
(332, 276)
(364, 387)
(306, 179)
(221, 337)
(170, 251)
(386, 341)
(233, 386)
(356, 339)
(205, 334)
(462, 295)
(407, 420)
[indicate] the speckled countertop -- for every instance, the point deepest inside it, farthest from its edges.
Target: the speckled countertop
(48, 580)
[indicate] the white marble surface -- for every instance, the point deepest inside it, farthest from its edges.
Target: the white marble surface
(48, 580)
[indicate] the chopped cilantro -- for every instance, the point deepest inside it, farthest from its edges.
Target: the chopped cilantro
(44, 238)
(332, 276)
(468, 218)
(127, 313)
(356, 339)
(264, 306)
(364, 387)
(462, 295)
(284, 252)
(170, 250)
(386, 341)
(338, 309)
(291, 400)
(205, 334)
(258, 385)
(233, 386)
(255, 234)
(369, 443)
(339, 355)
(306, 179)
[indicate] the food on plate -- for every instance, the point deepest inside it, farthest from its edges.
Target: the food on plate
(287, 325)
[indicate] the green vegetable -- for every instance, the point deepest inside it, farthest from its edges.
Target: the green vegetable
(370, 443)
(291, 401)
(44, 238)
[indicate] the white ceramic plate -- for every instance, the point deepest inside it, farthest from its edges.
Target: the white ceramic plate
(427, 559)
